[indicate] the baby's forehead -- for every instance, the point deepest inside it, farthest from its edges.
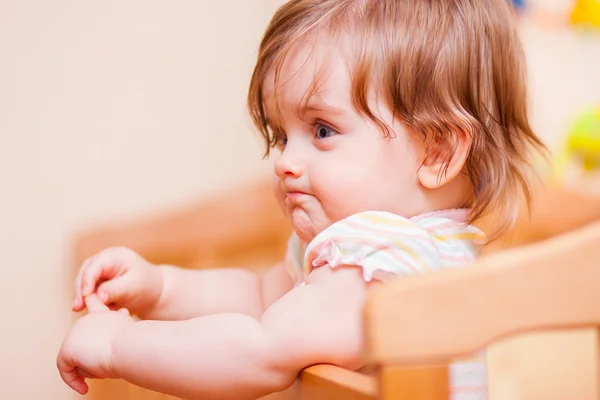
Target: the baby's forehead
(308, 76)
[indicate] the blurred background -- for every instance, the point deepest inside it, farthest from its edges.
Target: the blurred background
(114, 110)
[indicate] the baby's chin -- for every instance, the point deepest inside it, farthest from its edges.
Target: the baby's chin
(303, 225)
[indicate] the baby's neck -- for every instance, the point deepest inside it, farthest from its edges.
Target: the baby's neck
(455, 194)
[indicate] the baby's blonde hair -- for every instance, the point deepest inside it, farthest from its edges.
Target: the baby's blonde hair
(442, 67)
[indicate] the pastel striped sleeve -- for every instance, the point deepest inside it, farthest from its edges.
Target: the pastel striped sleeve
(381, 243)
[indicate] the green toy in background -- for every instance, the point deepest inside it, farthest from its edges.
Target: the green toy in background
(579, 157)
(581, 150)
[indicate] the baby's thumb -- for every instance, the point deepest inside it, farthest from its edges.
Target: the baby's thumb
(113, 291)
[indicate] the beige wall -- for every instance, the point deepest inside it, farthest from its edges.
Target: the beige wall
(114, 109)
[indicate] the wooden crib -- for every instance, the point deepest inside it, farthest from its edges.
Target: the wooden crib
(547, 280)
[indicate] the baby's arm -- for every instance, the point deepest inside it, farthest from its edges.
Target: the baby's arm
(236, 356)
(192, 293)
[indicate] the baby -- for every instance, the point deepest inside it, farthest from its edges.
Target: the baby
(397, 124)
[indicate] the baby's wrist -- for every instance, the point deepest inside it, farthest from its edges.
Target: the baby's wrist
(117, 344)
(158, 293)
(162, 278)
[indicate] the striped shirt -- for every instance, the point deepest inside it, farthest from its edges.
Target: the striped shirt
(386, 245)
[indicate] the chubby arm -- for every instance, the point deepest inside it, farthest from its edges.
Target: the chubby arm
(192, 293)
(224, 356)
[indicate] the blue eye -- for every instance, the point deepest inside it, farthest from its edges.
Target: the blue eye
(324, 131)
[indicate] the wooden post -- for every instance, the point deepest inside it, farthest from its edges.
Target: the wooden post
(414, 383)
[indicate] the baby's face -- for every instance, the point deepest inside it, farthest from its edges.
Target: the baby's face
(334, 162)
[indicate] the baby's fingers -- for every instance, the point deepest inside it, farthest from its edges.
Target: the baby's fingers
(89, 277)
(117, 290)
(70, 375)
(78, 303)
(94, 304)
(75, 381)
(85, 374)
(104, 266)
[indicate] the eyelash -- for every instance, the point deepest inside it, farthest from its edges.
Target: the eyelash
(280, 139)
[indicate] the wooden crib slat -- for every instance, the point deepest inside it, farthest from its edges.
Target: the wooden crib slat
(452, 313)
(335, 383)
(415, 383)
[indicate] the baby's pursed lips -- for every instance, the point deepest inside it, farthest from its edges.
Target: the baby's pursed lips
(291, 188)
(295, 194)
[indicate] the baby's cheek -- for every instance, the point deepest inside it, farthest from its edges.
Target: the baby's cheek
(342, 203)
(349, 193)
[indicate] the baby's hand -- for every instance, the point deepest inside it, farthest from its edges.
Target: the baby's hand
(86, 351)
(121, 278)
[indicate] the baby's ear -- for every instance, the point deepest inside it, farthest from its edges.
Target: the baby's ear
(444, 158)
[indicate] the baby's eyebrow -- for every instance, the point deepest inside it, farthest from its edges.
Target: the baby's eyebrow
(314, 105)
(319, 105)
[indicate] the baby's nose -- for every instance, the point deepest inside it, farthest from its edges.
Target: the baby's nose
(288, 164)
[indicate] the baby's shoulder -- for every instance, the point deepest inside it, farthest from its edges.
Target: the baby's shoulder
(380, 240)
